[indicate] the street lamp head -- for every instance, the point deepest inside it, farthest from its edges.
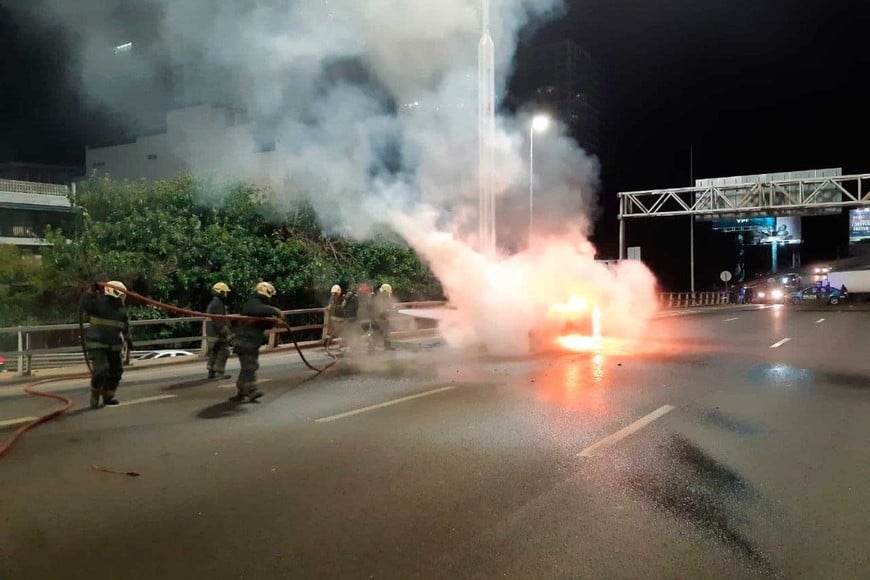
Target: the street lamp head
(540, 123)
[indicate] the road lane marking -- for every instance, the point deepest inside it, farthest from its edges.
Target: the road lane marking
(381, 405)
(18, 421)
(143, 400)
(820, 320)
(780, 343)
(730, 319)
(626, 431)
(232, 385)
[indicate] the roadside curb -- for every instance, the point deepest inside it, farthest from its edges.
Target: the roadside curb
(697, 310)
(692, 311)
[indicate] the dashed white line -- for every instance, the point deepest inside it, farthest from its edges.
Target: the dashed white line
(232, 385)
(626, 431)
(780, 343)
(381, 405)
(730, 319)
(18, 421)
(143, 400)
(820, 320)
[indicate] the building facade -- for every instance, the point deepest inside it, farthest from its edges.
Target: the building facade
(40, 172)
(206, 140)
(28, 209)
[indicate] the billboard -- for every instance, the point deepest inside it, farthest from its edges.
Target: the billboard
(859, 226)
(764, 230)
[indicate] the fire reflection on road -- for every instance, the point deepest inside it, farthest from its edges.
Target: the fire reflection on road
(579, 384)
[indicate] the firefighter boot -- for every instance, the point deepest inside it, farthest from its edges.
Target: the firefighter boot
(95, 398)
(244, 390)
(109, 399)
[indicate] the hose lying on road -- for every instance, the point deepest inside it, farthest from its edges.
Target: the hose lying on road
(6, 445)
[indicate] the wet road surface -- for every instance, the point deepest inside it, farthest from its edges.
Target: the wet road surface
(715, 448)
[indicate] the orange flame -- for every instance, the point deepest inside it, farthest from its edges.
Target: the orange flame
(575, 305)
(579, 342)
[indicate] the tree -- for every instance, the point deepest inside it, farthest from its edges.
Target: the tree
(171, 240)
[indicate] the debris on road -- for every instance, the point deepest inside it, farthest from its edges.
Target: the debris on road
(107, 470)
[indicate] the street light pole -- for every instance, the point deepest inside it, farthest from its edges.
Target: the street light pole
(539, 123)
(531, 180)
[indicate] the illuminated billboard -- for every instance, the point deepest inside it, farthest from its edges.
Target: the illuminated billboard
(764, 230)
(859, 226)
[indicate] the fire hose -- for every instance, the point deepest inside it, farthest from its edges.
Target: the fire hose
(236, 317)
(7, 445)
(10, 441)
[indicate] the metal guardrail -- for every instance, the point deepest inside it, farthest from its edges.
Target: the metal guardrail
(29, 358)
(670, 300)
(16, 186)
(63, 359)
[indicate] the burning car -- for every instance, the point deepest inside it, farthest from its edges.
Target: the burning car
(573, 325)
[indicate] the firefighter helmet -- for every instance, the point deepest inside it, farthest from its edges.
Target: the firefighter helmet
(221, 289)
(386, 288)
(115, 289)
(336, 289)
(265, 289)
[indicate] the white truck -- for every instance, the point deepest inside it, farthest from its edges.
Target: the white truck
(856, 281)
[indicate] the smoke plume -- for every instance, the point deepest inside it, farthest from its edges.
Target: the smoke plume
(368, 109)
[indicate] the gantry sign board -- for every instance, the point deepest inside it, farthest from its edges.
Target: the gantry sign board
(813, 192)
(788, 186)
(859, 226)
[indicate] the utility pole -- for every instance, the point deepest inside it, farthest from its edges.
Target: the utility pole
(692, 221)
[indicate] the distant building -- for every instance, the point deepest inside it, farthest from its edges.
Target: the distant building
(28, 208)
(39, 172)
(204, 139)
(561, 78)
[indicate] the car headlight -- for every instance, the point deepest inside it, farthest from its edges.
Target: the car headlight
(776, 294)
(761, 294)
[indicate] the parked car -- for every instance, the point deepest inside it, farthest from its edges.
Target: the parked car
(768, 295)
(818, 294)
(155, 354)
(2, 364)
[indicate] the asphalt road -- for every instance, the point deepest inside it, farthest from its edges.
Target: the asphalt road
(714, 448)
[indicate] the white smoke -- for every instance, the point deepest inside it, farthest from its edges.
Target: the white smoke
(501, 303)
(373, 105)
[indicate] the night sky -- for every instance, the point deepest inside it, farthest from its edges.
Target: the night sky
(748, 86)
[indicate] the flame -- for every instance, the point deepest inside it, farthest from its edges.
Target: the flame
(579, 342)
(575, 305)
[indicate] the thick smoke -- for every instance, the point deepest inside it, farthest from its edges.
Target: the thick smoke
(501, 303)
(371, 109)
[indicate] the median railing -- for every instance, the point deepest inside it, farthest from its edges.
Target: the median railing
(689, 299)
(59, 345)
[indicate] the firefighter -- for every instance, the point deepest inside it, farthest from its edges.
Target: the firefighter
(384, 305)
(249, 337)
(218, 332)
(364, 313)
(108, 331)
(336, 312)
